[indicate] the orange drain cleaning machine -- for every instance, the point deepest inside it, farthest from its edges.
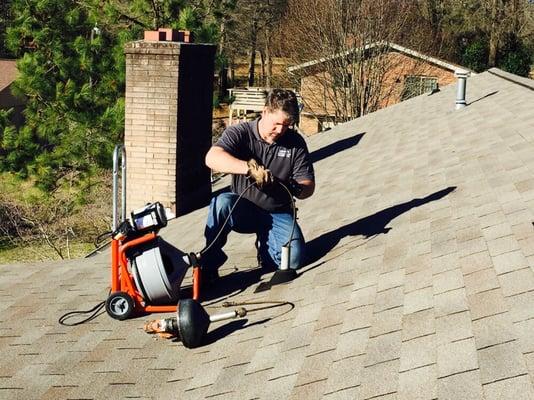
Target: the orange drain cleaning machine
(146, 271)
(144, 279)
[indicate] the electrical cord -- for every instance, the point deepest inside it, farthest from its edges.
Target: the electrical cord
(207, 247)
(294, 212)
(97, 244)
(95, 313)
(99, 238)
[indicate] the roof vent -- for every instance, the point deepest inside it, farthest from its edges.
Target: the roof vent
(462, 76)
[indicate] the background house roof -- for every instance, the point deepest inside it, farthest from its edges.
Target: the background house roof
(401, 49)
(8, 73)
(420, 285)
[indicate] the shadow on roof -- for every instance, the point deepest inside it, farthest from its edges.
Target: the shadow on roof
(367, 227)
(224, 330)
(483, 97)
(228, 286)
(336, 147)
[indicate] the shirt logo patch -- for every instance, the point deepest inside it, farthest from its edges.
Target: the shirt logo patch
(284, 153)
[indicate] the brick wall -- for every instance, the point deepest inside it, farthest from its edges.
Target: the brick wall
(169, 89)
(403, 65)
(308, 124)
(318, 98)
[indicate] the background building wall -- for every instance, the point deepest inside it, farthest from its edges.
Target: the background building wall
(317, 92)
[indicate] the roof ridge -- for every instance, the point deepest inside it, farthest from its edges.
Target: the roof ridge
(392, 46)
(518, 80)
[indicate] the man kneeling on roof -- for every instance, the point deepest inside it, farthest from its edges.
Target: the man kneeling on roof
(262, 152)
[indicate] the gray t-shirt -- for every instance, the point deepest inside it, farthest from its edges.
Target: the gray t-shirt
(287, 158)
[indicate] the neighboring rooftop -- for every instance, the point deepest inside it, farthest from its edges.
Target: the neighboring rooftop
(393, 46)
(421, 284)
(8, 73)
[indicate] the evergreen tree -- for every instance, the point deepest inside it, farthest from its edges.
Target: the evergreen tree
(5, 17)
(515, 57)
(71, 71)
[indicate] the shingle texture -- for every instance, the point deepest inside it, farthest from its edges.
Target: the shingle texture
(420, 285)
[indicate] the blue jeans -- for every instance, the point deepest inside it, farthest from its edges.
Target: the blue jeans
(272, 230)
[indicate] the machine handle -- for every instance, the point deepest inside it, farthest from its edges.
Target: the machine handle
(119, 153)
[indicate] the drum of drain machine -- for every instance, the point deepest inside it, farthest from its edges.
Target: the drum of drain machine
(158, 269)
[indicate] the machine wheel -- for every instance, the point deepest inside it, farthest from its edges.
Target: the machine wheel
(120, 305)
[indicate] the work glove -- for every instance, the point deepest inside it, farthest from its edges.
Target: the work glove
(261, 175)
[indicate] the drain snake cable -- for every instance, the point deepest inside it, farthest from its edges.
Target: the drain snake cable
(207, 247)
(272, 304)
(97, 309)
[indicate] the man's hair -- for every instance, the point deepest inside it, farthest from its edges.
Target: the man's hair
(284, 100)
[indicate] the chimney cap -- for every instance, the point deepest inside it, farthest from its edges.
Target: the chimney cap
(462, 73)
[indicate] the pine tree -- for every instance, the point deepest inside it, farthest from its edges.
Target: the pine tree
(5, 17)
(71, 70)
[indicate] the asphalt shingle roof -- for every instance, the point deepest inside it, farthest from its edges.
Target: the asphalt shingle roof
(421, 283)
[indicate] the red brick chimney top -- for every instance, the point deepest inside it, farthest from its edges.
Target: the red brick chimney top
(169, 35)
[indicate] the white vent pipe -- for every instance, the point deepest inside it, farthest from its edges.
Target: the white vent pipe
(462, 76)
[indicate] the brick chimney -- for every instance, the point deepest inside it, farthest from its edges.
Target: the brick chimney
(169, 94)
